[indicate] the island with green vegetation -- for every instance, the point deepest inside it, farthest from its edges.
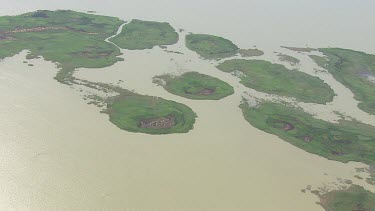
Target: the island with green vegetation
(211, 46)
(250, 52)
(197, 86)
(270, 78)
(149, 114)
(355, 70)
(70, 39)
(300, 49)
(355, 198)
(344, 141)
(290, 59)
(139, 35)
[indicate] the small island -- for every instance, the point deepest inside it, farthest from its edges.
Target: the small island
(355, 198)
(270, 78)
(290, 59)
(355, 70)
(148, 114)
(197, 86)
(300, 49)
(210, 46)
(139, 35)
(250, 52)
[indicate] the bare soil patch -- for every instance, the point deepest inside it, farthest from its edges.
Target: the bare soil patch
(158, 123)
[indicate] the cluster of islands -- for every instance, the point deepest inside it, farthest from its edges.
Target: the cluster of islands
(75, 40)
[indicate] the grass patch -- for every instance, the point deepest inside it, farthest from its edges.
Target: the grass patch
(210, 46)
(250, 52)
(300, 49)
(344, 141)
(61, 36)
(276, 79)
(355, 70)
(151, 115)
(286, 58)
(138, 35)
(196, 86)
(355, 198)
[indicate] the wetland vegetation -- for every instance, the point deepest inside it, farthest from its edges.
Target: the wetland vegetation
(148, 114)
(250, 52)
(194, 85)
(210, 46)
(355, 198)
(139, 35)
(344, 141)
(286, 58)
(70, 39)
(355, 70)
(270, 78)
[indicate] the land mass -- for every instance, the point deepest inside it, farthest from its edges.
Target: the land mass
(139, 35)
(70, 39)
(355, 70)
(345, 141)
(211, 46)
(197, 86)
(355, 198)
(270, 78)
(148, 114)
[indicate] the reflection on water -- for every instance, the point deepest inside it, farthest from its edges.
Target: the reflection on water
(59, 152)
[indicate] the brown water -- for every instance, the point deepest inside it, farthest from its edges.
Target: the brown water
(59, 152)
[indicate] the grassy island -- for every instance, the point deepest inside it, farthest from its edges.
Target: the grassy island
(210, 46)
(196, 86)
(344, 141)
(355, 198)
(355, 70)
(276, 79)
(69, 38)
(286, 58)
(152, 115)
(250, 52)
(138, 35)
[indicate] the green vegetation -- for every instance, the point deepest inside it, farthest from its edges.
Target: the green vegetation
(152, 115)
(355, 70)
(138, 35)
(210, 46)
(344, 141)
(300, 49)
(250, 52)
(69, 38)
(286, 58)
(355, 198)
(196, 86)
(272, 78)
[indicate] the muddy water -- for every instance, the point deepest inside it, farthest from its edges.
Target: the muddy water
(59, 152)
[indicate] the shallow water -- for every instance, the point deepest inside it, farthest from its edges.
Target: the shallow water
(59, 152)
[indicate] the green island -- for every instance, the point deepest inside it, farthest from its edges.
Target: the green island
(300, 49)
(197, 86)
(355, 198)
(286, 58)
(139, 35)
(148, 114)
(250, 52)
(70, 39)
(210, 46)
(270, 78)
(355, 70)
(345, 141)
